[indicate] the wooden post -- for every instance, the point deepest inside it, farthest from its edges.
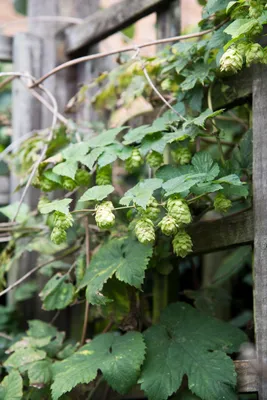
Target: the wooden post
(260, 219)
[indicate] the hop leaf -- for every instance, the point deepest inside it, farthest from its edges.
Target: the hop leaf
(104, 217)
(68, 183)
(182, 244)
(179, 210)
(58, 235)
(104, 175)
(221, 203)
(63, 221)
(181, 155)
(154, 159)
(168, 225)
(82, 177)
(43, 201)
(134, 162)
(231, 61)
(254, 54)
(144, 230)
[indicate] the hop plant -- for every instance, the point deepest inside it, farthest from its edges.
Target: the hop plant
(63, 221)
(104, 175)
(242, 48)
(46, 185)
(221, 203)
(134, 161)
(182, 244)
(255, 9)
(231, 61)
(42, 202)
(58, 235)
(104, 217)
(179, 210)
(68, 183)
(181, 155)
(145, 231)
(152, 210)
(82, 177)
(168, 225)
(254, 54)
(154, 159)
(256, 30)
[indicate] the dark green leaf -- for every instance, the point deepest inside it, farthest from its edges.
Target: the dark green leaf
(57, 293)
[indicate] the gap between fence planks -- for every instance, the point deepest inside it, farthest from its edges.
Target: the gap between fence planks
(6, 43)
(104, 23)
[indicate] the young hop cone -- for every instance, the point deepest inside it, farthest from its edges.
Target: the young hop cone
(152, 210)
(182, 244)
(178, 209)
(254, 54)
(104, 175)
(255, 9)
(82, 177)
(58, 235)
(182, 155)
(68, 184)
(154, 159)
(63, 221)
(46, 185)
(134, 161)
(145, 231)
(221, 203)
(231, 61)
(168, 225)
(104, 217)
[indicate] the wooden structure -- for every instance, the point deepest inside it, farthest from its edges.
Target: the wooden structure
(45, 47)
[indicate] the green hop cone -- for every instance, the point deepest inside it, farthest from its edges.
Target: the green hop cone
(152, 210)
(221, 203)
(145, 231)
(179, 210)
(255, 9)
(63, 221)
(68, 184)
(104, 175)
(82, 177)
(254, 54)
(181, 155)
(154, 159)
(231, 61)
(242, 48)
(134, 162)
(104, 217)
(256, 30)
(58, 235)
(168, 225)
(182, 244)
(46, 185)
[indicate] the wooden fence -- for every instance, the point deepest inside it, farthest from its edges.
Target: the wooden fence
(48, 45)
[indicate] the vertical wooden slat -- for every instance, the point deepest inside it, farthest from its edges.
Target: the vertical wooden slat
(260, 217)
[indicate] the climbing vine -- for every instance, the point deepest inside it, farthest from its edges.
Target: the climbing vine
(117, 207)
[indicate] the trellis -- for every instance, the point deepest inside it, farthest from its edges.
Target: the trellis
(46, 46)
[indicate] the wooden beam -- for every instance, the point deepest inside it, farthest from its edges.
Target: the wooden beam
(6, 48)
(104, 23)
(209, 236)
(247, 376)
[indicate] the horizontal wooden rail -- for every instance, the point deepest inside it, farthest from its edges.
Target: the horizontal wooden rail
(104, 23)
(5, 48)
(209, 236)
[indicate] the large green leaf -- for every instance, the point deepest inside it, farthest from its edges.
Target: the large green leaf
(11, 210)
(56, 205)
(97, 193)
(203, 163)
(182, 183)
(141, 193)
(118, 357)
(105, 138)
(189, 342)
(57, 293)
(90, 159)
(125, 257)
(66, 168)
(40, 329)
(202, 118)
(11, 386)
(40, 373)
(23, 357)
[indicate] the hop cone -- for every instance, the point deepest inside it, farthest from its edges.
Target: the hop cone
(254, 54)
(82, 177)
(256, 30)
(154, 159)
(104, 217)
(221, 203)
(255, 9)
(68, 183)
(181, 155)
(242, 48)
(58, 235)
(134, 162)
(179, 210)
(46, 185)
(231, 61)
(152, 211)
(104, 175)
(63, 221)
(168, 225)
(144, 230)
(182, 244)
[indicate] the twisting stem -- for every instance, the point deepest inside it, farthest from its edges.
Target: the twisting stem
(87, 305)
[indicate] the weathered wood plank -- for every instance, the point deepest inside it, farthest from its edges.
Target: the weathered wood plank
(6, 43)
(104, 23)
(209, 236)
(260, 217)
(247, 376)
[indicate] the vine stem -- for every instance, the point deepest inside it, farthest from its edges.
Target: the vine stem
(123, 50)
(210, 105)
(99, 381)
(87, 305)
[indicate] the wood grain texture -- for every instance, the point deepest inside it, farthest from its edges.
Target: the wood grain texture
(209, 236)
(6, 48)
(104, 23)
(247, 376)
(260, 217)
